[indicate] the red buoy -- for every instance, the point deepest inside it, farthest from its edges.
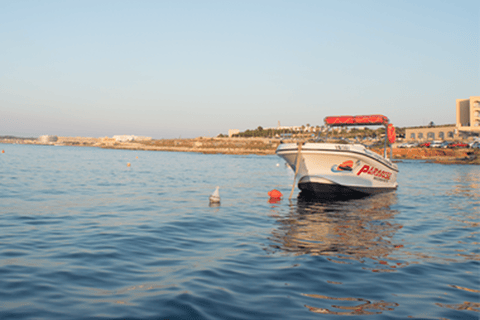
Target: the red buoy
(275, 194)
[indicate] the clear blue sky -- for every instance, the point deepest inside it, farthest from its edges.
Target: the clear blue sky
(198, 68)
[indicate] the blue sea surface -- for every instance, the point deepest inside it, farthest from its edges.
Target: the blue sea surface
(84, 236)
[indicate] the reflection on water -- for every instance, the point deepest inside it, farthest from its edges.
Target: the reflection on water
(348, 229)
(467, 184)
(470, 306)
(344, 229)
(466, 305)
(363, 306)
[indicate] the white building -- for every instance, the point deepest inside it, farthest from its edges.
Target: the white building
(232, 132)
(47, 139)
(130, 138)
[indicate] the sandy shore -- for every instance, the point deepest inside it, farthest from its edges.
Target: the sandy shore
(258, 146)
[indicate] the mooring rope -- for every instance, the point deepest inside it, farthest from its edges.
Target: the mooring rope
(296, 168)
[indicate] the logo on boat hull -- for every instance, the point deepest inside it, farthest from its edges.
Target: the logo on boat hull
(377, 173)
(346, 166)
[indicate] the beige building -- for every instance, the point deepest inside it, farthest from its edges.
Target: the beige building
(468, 115)
(431, 133)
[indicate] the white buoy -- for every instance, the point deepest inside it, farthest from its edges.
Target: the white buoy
(215, 197)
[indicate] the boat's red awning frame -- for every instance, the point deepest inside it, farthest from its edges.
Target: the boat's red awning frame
(369, 120)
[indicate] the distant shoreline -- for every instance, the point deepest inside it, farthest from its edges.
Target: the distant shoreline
(247, 146)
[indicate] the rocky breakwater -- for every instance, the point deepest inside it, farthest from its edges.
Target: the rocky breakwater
(81, 141)
(258, 146)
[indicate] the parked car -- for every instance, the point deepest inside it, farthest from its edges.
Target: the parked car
(411, 145)
(445, 144)
(475, 145)
(408, 145)
(425, 145)
(436, 144)
(458, 145)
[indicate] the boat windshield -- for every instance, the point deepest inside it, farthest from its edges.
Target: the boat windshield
(352, 135)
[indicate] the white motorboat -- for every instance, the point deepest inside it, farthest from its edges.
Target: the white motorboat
(342, 169)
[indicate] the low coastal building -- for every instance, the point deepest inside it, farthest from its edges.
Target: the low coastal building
(295, 128)
(448, 132)
(286, 128)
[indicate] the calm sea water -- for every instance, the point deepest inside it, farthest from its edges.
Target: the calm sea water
(85, 236)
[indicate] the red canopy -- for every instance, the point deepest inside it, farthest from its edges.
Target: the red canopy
(375, 119)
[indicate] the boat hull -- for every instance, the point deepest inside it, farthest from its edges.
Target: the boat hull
(346, 170)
